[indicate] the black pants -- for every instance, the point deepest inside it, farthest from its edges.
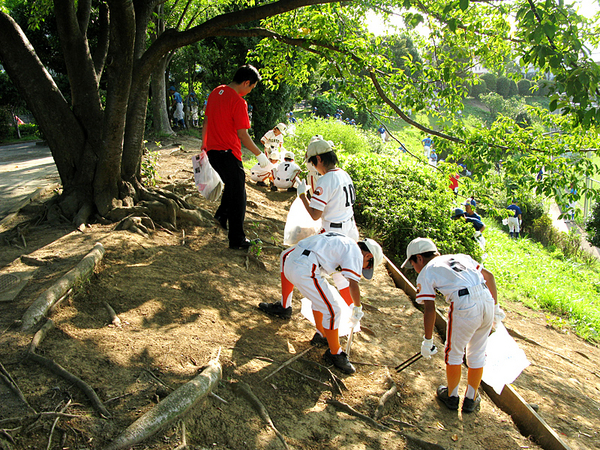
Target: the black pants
(233, 201)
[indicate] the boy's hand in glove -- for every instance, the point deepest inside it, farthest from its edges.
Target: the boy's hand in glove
(428, 348)
(262, 160)
(357, 314)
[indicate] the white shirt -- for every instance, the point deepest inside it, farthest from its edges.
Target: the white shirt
(335, 253)
(286, 170)
(448, 274)
(259, 171)
(334, 195)
(272, 141)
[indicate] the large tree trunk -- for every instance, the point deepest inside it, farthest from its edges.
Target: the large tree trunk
(160, 115)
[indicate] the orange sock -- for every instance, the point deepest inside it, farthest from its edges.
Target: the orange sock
(319, 322)
(453, 373)
(474, 380)
(287, 289)
(345, 293)
(333, 340)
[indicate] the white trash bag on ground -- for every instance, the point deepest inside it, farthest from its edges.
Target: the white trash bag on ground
(299, 224)
(206, 178)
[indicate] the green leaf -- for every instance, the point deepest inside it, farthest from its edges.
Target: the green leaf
(550, 30)
(464, 4)
(452, 25)
(407, 4)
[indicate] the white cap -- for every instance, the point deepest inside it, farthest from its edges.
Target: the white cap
(274, 155)
(289, 155)
(318, 147)
(316, 137)
(418, 246)
(281, 127)
(377, 252)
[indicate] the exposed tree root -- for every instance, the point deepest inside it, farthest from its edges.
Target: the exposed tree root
(58, 370)
(113, 315)
(242, 388)
(336, 381)
(49, 446)
(40, 335)
(171, 409)
(40, 307)
(12, 384)
(288, 362)
(388, 395)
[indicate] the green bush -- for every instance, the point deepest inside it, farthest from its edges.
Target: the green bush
(476, 90)
(503, 87)
(397, 202)
(593, 226)
(490, 81)
(524, 87)
(512, 88)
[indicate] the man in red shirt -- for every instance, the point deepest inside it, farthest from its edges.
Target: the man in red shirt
(225, 129)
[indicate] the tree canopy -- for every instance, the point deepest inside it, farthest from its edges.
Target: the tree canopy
(96, 132)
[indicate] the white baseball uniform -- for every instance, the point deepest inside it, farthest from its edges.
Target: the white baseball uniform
(272, 142)
(471, 313)
(303, 264)
(284, 175)
(258, 173)
(313, 176)
(335, 195)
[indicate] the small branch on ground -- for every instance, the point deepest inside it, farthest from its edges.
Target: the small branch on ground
(287, 363)
(40, 335)
(388, 395)
(49, 446)
(12, 384)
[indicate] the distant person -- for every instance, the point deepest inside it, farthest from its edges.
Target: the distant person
(469, 212)
(192, 103)
(477, 223)
(427, 144)
(454, 183)
(515, 220)
(382, 132)
(474, 311)
(177, 108)
(225, 129)
(433, 158)
(285, 173)
(262, 175)
(273, 139)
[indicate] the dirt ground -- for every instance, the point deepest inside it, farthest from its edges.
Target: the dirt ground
(183, 295)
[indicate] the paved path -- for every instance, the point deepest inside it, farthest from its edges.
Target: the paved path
(561, 225)
(26, 169)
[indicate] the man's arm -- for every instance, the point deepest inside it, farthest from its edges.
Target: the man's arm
(429, 318)
(354, 292)
(314, 213)
(248, 142)
(491, 283)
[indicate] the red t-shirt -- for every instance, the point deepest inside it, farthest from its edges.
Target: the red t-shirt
(226, 112)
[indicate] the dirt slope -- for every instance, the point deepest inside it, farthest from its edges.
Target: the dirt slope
(181, 296)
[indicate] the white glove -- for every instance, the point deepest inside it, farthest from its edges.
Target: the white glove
(357, 314)
(499, 316)
(262, 160)
(301, 189)
(428, 348)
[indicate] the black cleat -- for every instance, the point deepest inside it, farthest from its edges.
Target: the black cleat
(471, 405)
(319, 341)
(261, 183)
(276, 309)
(451, 402)
(292, 189)
(273, 188)
(340, 361)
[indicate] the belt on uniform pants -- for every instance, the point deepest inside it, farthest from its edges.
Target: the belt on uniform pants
(335, 225)
(463, 292)
(306, 253)
(474, 290)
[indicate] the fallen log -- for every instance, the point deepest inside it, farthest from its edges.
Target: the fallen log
(171, 409)
(40, 307)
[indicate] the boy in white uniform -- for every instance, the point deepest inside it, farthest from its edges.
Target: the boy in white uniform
(284, 175)
(302, 264)
(313, 176)
(262, 174)
(273, 139)
(474, 311)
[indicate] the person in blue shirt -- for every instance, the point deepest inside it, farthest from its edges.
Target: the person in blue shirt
(469, 210)
(177, 107)
(381, 131)
(477, 224)
(515, 221)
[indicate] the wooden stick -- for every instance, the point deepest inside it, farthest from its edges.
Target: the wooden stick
(245, 390)
(287, 363)
(88, 391)
(348, 409)
(113, 315)
(331, 388)
(335, 380)
(40, 335)
(183, 444)
(12, 384)
(54, 425)
(38, 416)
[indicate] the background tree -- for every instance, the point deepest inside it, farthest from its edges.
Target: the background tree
(524, 87)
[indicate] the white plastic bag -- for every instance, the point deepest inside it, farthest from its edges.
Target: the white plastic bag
(345, 326)
(504, 360)
(206, 178)
(299, 224)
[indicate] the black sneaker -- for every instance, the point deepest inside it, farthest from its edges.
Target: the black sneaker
(471, 405)
(450, 402)
(276, 309)
(261, 183)
(340, 361)
(292, 189)
(319, 341)
(222, 221)
(273, 188)
(245, 244)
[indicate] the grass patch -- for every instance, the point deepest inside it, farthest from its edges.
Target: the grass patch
(528, 273)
